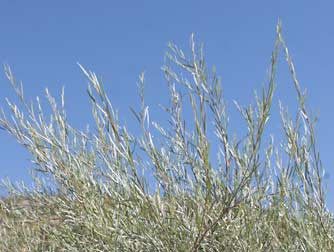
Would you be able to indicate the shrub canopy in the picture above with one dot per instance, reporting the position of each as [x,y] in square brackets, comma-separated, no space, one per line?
[245,197]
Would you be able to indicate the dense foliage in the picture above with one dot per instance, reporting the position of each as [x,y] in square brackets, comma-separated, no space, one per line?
[96,194]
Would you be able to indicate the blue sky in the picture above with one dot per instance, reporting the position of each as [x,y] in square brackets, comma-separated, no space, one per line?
[43,40]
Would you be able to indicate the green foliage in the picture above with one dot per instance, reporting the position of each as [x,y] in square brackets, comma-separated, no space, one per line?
[245,200]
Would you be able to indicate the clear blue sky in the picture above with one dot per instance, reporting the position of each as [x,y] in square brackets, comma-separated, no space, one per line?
[43,40]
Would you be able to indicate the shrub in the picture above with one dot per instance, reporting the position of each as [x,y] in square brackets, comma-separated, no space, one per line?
[98,198]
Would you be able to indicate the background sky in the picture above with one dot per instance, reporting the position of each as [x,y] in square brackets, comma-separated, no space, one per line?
[43,40]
